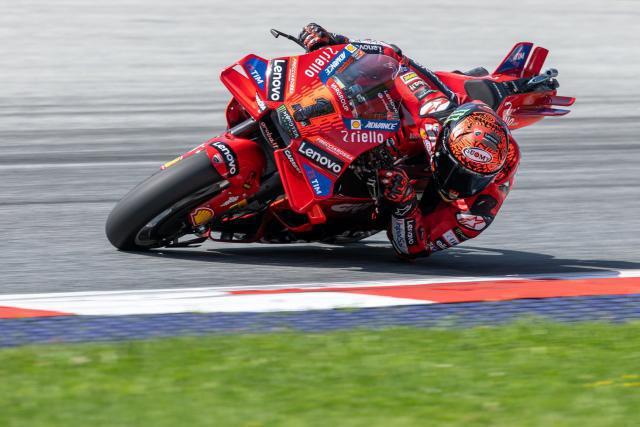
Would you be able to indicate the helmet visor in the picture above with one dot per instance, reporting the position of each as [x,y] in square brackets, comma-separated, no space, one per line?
[453,180]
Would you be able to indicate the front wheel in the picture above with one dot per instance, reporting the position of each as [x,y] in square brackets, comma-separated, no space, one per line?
[155,212]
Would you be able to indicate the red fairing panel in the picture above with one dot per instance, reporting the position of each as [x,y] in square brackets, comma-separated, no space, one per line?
[239,161]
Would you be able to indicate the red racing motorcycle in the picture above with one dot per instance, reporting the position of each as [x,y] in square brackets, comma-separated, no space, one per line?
[305,138]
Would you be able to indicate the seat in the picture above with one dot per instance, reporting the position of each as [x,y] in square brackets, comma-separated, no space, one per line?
[482,90]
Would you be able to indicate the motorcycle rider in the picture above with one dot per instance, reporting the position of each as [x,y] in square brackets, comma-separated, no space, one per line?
[472,155]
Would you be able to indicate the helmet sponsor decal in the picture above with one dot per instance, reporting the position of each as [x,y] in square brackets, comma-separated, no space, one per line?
[226,156]
[477,155]
[478,140]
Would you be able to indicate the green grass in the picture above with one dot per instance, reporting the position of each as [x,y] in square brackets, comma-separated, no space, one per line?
[524,374]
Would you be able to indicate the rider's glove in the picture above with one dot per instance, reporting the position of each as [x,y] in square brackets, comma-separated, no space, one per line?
[313,37]
[398,191]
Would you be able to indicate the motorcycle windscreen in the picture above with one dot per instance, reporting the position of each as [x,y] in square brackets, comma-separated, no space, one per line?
[364,81]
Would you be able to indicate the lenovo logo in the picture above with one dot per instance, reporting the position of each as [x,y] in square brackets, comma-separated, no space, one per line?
[278,75]
[321,157]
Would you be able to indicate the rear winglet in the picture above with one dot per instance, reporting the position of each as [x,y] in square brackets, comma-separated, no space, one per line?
[513,64]
[545,112]
[536,62]
[563,101]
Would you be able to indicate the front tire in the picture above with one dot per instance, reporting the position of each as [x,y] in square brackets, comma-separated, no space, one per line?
[155,211]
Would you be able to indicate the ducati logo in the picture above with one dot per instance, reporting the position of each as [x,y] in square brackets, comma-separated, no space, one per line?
[226,155]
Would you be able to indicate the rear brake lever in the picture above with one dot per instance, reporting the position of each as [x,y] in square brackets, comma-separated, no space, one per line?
[276,33]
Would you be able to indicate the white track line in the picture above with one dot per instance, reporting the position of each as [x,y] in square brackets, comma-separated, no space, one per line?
[212,290]
[77,165]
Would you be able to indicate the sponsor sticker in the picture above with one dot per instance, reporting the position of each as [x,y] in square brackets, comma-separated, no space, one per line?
[516,60]
[261,105]
[370,136]
[334,149]
[227,156]
[409,76]
[256,68]
[423,93]
[369,48]
[319,62]
[320,183]
[201,216]
[416,84]
[410,232]
[277,78]
[398,234]
[450,237]
[389,103]
[429,136]
[337,61]
[289,155]
[507,114]
[441,245]
[470,221]
[341,98]
[321,158]
[287,122]
[381,125]
[434,106]
[477,155]
[293,74]
[231,200]
[268,134]
[171,163]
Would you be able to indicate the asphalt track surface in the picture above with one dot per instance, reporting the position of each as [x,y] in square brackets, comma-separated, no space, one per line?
[94,97]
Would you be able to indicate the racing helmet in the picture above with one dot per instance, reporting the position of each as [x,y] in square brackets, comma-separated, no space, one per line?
[470,151]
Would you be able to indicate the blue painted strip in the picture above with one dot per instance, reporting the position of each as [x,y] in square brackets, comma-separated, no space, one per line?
[15,332]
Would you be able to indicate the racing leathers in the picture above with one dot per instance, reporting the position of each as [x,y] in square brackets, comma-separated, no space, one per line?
[419,227]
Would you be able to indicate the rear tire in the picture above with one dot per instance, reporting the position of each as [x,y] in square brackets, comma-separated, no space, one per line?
[165,197]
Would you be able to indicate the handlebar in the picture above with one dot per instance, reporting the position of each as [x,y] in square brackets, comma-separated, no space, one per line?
[277,33]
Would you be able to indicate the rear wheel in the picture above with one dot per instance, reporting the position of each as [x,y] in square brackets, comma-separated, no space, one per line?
[155,212]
